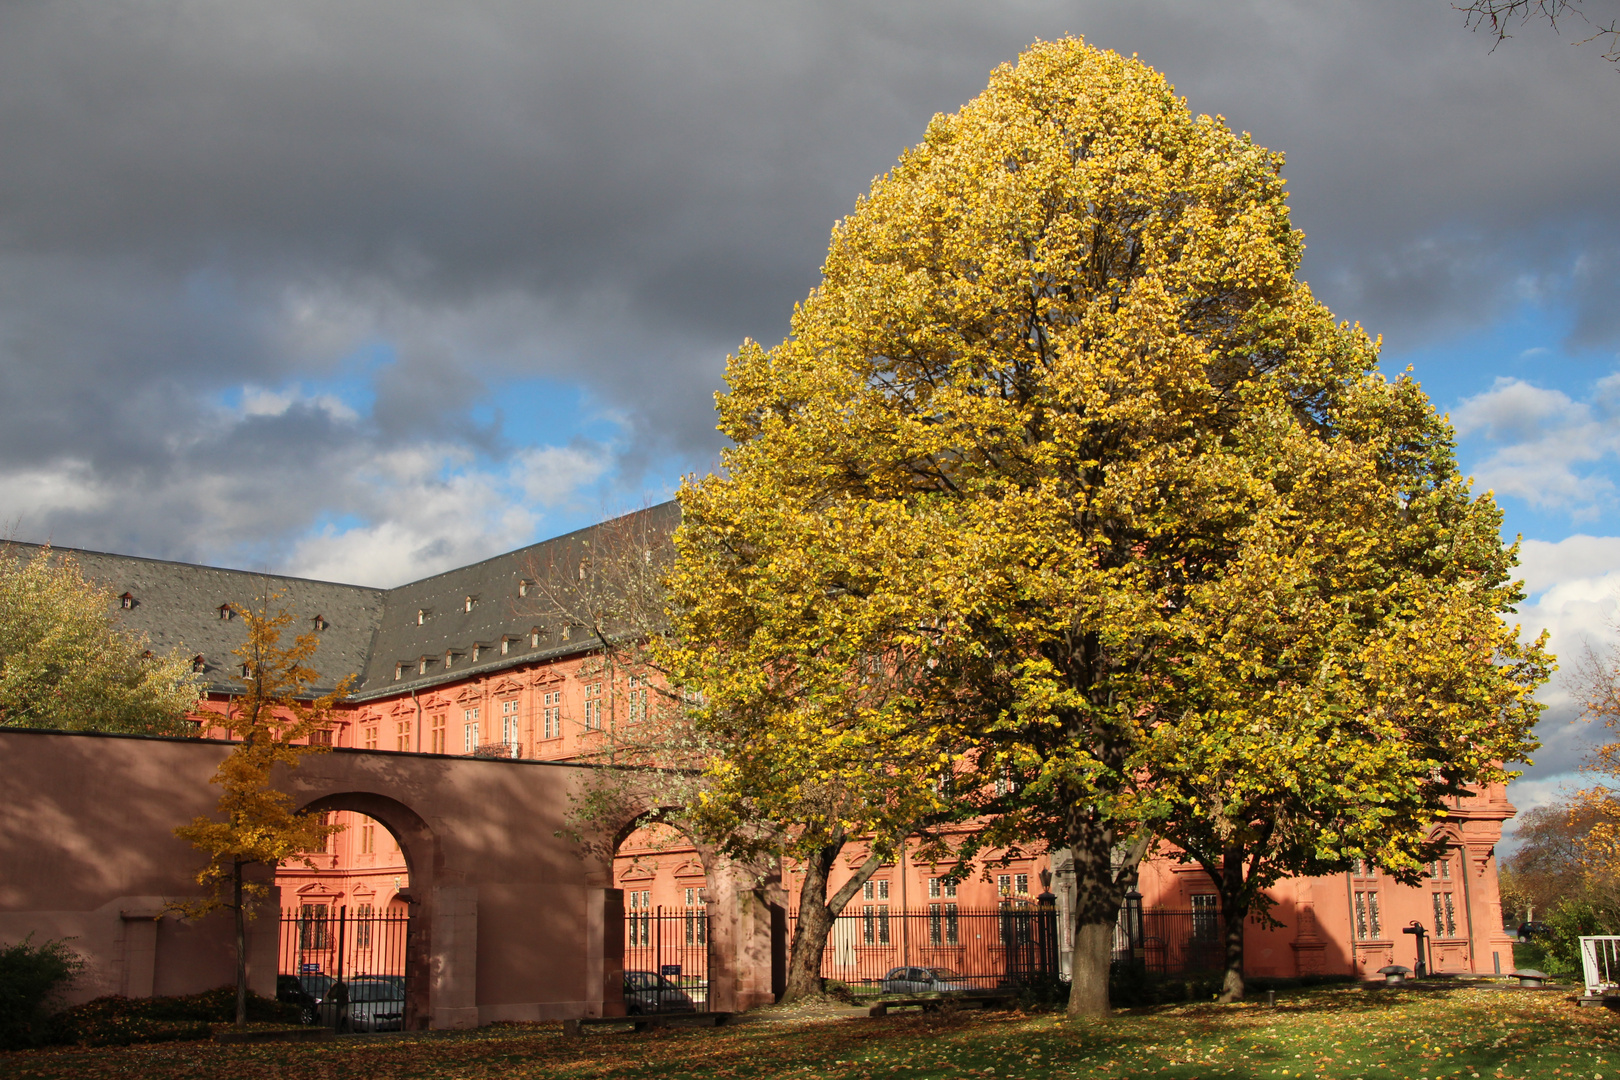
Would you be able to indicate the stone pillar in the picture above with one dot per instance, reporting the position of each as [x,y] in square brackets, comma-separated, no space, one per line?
[453,978]
[1309,948]
[604,952]
[747,936]
[264,945]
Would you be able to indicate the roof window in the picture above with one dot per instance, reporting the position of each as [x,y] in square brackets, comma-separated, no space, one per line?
[399,670]
[127,601]
[469,603]
[524,587]
[421,616]
[421,665]
[226,611]
[197,665]
[319,622]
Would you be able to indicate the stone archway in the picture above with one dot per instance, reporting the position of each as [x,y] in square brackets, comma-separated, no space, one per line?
[746,906]
[422,858]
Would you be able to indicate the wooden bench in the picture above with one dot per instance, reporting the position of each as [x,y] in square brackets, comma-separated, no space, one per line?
[984,1001]
[644,1023]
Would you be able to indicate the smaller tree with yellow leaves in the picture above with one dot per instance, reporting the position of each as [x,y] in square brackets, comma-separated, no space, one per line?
[275,720]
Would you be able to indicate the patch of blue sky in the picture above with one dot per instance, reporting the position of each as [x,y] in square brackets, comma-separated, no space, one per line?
[537,411]
[351,382]
[1525,345]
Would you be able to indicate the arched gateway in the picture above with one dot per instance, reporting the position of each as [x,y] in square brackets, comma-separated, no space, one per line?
[509,920]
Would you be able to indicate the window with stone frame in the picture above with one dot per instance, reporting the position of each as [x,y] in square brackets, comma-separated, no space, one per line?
[437,735]
[1367,901]
[551,713]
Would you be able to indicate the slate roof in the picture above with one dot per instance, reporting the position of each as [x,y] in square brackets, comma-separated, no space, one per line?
[366,631]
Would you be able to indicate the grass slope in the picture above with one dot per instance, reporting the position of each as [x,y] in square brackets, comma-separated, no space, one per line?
[1492,1034]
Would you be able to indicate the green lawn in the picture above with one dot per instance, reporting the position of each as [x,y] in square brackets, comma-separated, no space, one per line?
[1341,1032]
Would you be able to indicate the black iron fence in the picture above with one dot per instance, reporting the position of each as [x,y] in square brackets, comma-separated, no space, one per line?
[666,959]
[1169,942]
[361,948]
[1014,944]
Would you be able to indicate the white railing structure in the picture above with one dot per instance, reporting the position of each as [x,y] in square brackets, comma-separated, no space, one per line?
[1600,959]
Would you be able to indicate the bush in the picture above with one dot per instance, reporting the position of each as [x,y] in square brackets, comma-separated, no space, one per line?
[119,1021]
[1567,923]
[32,981]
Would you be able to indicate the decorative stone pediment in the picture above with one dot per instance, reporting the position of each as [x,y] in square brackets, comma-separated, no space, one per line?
[506,685]
[689,869]
[470,694]
[402,707]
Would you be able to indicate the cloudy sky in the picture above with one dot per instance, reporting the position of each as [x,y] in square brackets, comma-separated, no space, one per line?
[363,291]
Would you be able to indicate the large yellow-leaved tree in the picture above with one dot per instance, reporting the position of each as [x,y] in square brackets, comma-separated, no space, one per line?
[65,662]
[1057,410]
[275,721]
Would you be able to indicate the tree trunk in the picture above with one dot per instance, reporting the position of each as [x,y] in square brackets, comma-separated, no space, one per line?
[241,944]
[1236,900]
[1089,968]
[1099,890]
[1232,919]
[817,917]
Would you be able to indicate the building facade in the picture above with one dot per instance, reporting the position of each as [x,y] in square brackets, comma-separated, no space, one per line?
[480,660]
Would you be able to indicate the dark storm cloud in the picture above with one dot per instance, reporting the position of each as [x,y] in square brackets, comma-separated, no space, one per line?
[201,197]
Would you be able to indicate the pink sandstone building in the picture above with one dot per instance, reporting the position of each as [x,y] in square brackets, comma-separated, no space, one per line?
[472,662]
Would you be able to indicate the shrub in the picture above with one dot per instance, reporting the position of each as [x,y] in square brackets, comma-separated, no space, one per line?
[119,1021]
[32,981]
[1567,923]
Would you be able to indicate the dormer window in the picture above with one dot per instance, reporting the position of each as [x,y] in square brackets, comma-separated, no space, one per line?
[534,638]
[399,670]
[197,664]
[247,671]
[127,601]
[421,616]
[421,665]
[226,611]
[319,622]
[469,603]
[524,587]
[506,644]
[449,657]
[478,650]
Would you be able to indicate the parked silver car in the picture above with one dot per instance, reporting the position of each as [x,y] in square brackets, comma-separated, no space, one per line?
[649,992]
[365,1003]
[920,980]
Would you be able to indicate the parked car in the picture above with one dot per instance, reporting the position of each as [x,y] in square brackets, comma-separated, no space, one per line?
[304,991]
[365,1003]
[918,980]
[650,992]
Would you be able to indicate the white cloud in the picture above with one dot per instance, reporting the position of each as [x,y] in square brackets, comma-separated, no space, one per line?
[259,401]
[1543,438]
[1575,595]
[431,509]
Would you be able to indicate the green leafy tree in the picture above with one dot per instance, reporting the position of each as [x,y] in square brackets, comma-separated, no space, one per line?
[1348,675]
[1046,419]
[275,721]
[65,663]
[814,691]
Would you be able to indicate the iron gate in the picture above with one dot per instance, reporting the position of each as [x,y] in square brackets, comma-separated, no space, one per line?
[666,959]
[1013,944]
[349,965]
